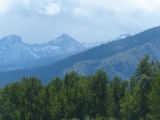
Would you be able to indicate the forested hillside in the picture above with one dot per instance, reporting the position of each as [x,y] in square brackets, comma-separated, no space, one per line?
[85,97]
[117,58]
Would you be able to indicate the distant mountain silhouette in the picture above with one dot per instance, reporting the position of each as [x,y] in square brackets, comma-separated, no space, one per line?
[118,57]
[15,54]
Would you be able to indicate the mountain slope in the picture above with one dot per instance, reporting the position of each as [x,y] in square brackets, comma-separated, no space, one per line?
[117,58]
[15,54]
[122,64]
[95,44]
[62,44]
[13,50]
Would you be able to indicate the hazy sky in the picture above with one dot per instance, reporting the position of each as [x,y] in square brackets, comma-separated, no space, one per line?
[85,20]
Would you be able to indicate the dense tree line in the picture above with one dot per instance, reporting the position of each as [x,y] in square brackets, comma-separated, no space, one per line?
[85,97]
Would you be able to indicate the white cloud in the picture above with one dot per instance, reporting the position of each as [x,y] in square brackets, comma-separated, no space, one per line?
[53,9]
[98,17]
[148,5]
[48,9]
[4,6]
[83,7]
[120,6]
[45,7]
[77,11]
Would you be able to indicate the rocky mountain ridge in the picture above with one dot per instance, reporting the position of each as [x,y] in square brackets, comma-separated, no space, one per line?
[14,51]
[117,58]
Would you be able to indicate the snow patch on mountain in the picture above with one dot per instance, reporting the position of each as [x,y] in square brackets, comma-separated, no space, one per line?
[14,50]
[60,45]
[94,44]
[122,36]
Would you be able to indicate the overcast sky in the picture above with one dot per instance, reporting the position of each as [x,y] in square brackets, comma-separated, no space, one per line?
[38,21]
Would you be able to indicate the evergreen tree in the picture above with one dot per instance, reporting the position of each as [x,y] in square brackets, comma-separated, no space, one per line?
[154,98]
[144,74]
[54,99]
[81,98]
[12,102]
[32,87]
[70,81]
[116,93]
[99,97]
[130,108]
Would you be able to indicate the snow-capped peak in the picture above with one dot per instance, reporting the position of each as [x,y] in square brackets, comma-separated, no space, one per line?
[13,50]
[60,45]
[64,38]
[64,35]
[94,44]
[12,39]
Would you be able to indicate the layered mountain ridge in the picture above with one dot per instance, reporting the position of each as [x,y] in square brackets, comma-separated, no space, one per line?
[117,58]
[14,51]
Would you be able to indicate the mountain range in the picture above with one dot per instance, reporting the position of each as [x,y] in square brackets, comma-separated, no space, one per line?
[94,44]
[117,58]
[15,54]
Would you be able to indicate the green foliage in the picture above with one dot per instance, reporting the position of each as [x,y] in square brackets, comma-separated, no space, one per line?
[85,97]
[98,94]
[116,93]
[21,100]
[144,74]
[154,98]
[130,106]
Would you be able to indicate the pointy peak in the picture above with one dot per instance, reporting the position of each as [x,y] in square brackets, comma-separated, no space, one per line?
[64,35]
[64,38]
